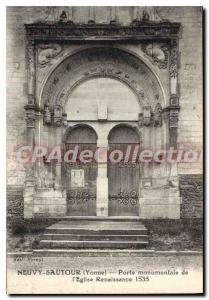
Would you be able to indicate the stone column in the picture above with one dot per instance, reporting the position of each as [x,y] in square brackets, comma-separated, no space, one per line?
[102,180]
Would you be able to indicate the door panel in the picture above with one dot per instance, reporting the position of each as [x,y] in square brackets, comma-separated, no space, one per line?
[123,177]
[80,177]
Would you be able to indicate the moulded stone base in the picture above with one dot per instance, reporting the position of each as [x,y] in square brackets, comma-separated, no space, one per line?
[102,196]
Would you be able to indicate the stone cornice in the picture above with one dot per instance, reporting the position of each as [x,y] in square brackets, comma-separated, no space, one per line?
[67,31]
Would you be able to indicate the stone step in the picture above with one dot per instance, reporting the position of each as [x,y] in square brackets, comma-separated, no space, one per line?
[56,244]
[97,218]
[92,223]
[83,224]
[96,231]
[92,237]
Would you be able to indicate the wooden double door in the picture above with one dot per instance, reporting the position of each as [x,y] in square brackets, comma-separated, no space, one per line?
[123,175]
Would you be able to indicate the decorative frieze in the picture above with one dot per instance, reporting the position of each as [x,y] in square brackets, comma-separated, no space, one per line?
[143,30]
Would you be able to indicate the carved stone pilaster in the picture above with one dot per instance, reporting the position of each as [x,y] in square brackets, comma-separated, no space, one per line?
[91,15]
[173,125]
[173,62]
[135,15]
[173,117]
[113,15]
[30,115]
[31,72]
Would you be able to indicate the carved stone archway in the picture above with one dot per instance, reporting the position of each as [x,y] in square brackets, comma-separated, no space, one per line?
[106,61]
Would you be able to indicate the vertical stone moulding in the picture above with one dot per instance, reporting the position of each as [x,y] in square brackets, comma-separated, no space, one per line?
[174,98]
[30,108]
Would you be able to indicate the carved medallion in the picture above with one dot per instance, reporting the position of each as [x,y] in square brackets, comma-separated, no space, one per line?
[47,52]
[157,53]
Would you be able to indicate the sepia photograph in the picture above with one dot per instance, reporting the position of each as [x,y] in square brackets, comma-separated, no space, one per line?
[104,150]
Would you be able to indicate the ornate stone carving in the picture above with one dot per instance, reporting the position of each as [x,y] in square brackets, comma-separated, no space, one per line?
[152,13]
[55,14]
[101,62]
[140,121]
[173,118]
[147,115]
[47,115]
[115,72]
[64,117]
[157,53]
[67,31]
[135,15]
[63,16]
[173,64]
[30,116]
[46,52]
[157,115]
[58,115]
[31,71]
[145,16]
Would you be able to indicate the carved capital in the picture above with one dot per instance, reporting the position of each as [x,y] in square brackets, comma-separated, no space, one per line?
[47,115]
[30,115]
[174,100]
[157,115]
[58,115]
[147,115]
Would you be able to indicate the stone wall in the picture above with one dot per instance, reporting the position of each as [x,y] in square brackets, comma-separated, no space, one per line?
[191,191]
[14,203]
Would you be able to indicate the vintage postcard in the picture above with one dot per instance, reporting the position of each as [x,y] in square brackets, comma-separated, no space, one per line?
[104,150]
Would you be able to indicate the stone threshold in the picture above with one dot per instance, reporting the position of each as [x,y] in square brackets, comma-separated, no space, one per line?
[106,252]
